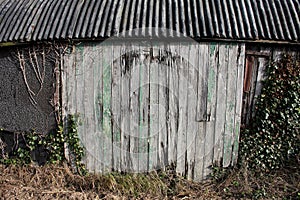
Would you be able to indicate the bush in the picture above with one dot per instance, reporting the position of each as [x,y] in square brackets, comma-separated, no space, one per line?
[272,139]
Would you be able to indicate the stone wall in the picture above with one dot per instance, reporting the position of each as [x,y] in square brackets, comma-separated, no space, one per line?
[27,88]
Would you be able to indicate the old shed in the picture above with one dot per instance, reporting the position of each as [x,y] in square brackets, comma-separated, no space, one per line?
[155,83]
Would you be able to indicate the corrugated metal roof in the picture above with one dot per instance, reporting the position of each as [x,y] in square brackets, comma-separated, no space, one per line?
[35,20]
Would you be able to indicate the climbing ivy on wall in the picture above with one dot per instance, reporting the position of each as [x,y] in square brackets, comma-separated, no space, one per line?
[76,151]
[55,144]
[273,137]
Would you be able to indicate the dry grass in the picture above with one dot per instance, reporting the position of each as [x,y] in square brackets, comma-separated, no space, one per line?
[58,182]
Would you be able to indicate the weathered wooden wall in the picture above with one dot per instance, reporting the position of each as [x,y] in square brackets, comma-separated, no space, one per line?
[144,107]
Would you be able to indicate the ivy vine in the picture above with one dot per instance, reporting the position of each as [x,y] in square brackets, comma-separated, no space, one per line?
[76,151]
[56,144]
[272,139]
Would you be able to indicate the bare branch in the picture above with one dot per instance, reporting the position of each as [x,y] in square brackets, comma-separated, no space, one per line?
[23,69]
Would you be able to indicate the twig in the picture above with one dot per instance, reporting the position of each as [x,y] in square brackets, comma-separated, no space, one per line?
[2,147]
[33,66]
[16,141]
[30,92]
[43,63]
[38,67]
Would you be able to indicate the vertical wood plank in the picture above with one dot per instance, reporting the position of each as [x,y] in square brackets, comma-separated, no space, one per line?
[80,95]
[200,137]
[239,97]
[125,105]
[249,86]
[95,134]
[98,109]
[212,100]
[134,107]
[89,119]
[252,89]
[116,107]
[174,61]
[208,129]
[221,102]
[69,88]
[107,126]
[202,84]
[162,109]
[154,110]
[182,126]
[230,104]
[65,67]
[69,82]
[212,81]
[144,108]
[192,124]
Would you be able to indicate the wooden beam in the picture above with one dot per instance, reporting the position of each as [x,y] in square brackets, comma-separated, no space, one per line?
[258,53]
